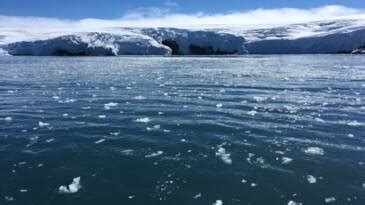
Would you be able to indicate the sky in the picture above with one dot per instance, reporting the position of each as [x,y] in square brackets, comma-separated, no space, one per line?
[170,13]
[111,9]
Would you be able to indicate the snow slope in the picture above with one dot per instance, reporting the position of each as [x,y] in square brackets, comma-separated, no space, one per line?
[321,37]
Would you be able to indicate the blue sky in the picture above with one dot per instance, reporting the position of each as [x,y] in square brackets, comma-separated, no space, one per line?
[111,9]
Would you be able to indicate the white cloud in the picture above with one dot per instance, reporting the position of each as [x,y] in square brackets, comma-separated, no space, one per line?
[157,17]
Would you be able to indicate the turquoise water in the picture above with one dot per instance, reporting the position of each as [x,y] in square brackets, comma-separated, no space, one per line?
[162,130]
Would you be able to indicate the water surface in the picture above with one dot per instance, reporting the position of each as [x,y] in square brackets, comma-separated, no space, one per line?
[158,130]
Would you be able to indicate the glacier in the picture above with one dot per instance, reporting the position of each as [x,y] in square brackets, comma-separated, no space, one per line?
[321,37]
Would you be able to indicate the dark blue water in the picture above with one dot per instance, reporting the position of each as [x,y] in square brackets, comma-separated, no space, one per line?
[136,130]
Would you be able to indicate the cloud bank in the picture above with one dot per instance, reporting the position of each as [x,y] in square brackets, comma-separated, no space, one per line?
[155,17]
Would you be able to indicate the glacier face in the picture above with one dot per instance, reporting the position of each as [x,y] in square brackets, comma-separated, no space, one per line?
[90,44]
[322,37]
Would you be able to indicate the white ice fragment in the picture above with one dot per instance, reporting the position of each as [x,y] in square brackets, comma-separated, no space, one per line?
[156,127]
[197,196]
[23,190]
[139,97]
[218,202]
[102,116]
[99,141]
[286,160]
[259,99]
[243,181]
[252,113]
[109,106]
[50,140]
[314,151]
[311,179]
[319,120]
[143,120]
[330,199]
[294,203]
[350,135]
[354,123]
[131,197]
[74,187]
[43,124]
[154,154]
[8,119]
[9,198]
[253,185]
[64,115]
[225,157]
[219,105]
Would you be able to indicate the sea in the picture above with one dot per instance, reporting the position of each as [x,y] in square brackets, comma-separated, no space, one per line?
[137,130]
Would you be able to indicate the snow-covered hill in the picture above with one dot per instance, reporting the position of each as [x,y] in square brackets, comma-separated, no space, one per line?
[327,37]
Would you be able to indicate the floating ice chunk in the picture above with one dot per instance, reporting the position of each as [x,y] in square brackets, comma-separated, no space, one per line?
[9,198]
[50,140]
[253,185]
[99,141]
[8,119]
[102,116]
[225,157]
[156,127]
[354,123]
[319,120]
[294,203]
[218,202]
[314,151]
[252,113]
[311,179]
[131,197]
[243,181]
[23,190]
[143,120]
[43,124]
[219,105]
[259,99]
[109,106]
[330,199]
[74,187]
[139,97]
[112,88]
[154,154]
[197,196]
[286,160]
[64,115]
[350,135]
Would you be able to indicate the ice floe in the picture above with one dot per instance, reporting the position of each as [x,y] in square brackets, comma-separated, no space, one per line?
[154,154]
[143,120]
[314,151]
[197,196]
[43,124]
[286,160]
[311,179]
[9,198]
[294,203]
[219,105]
[8,119]
[155,127]
[109,106]
[74,187]
[222,153]
[330,199]
[218,202]
[99,141]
